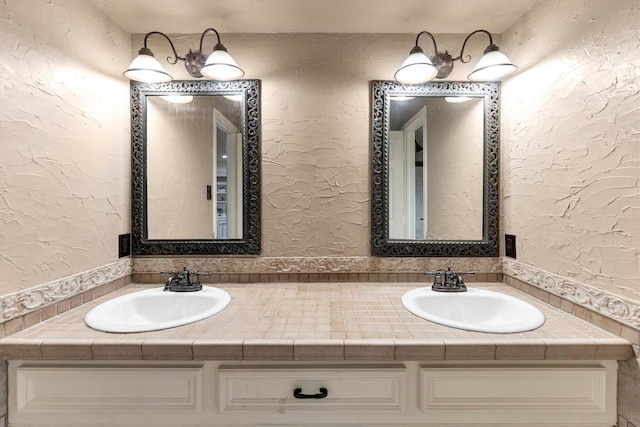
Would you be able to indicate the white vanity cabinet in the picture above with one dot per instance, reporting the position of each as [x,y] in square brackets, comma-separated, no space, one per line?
[372,394]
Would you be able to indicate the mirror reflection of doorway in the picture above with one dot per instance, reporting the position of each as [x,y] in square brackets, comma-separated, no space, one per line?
[408,179]
[419,139]
[227,176]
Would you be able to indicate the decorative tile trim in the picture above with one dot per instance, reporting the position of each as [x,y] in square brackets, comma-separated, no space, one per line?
[263,265]
[279,278]
[610,305]
[22,302]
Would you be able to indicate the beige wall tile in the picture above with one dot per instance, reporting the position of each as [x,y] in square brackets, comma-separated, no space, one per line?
[617,349]
[318,349]
[116,349]
[71,349]
[19,349]
[167,349]
[514,350]
[204,349]
[571,349]
[457,349]
[419,350]
[369,349]
[276,349]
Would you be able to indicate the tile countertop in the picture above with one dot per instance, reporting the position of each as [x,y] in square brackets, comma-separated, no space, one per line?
[316,322]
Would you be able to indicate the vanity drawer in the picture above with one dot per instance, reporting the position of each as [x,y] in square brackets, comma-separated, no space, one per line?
[340,388]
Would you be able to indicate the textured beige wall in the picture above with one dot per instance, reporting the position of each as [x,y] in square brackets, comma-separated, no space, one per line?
[315,129]
[570,138]
[571,141]
[65,176]
[64,131]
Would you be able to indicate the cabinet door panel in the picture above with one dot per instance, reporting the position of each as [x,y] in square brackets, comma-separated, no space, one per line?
[96,389]
[508,393]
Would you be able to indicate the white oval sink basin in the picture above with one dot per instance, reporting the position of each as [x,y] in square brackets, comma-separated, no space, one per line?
[155,309]
[475,310]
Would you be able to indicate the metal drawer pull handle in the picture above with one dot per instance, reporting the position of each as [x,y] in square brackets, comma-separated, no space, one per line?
[297,393]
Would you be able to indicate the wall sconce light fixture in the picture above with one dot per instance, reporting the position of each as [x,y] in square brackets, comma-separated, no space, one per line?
[219,65]
[418,68]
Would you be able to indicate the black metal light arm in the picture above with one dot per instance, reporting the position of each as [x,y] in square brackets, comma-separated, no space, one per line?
[435,47]
[488,49]
[169,59]
[218,45]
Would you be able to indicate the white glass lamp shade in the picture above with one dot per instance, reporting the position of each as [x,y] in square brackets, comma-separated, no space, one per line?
[417,68]
[145,68]
[492,66]
[221,66]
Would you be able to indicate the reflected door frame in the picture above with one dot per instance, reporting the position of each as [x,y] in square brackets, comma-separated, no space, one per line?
[234,178]
[419,120]
[402,209]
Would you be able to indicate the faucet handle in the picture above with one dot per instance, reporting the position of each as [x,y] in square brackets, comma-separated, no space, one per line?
[195,278]
[169,272]
[198,273]
[437,279]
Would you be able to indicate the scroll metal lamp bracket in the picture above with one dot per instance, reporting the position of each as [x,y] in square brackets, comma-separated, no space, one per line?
[219,65]
[418,68]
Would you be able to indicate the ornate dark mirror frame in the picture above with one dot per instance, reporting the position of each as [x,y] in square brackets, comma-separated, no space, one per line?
[381,245]
[250,242]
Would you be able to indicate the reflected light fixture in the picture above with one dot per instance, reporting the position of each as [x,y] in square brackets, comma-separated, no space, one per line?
[177,99]
[418,68]
[401,98]
[219,65]
[233,98]
[458,99]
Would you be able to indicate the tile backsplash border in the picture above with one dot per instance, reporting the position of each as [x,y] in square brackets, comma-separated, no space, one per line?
[19,305]
[602,302]
[289,265]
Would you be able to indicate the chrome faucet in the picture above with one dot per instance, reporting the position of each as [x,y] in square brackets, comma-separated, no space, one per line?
[447,280]
[183,281]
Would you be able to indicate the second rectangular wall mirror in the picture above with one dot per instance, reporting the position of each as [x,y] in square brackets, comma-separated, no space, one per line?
[434,169]
[196,167]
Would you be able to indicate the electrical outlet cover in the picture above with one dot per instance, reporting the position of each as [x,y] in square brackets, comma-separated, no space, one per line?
[510,245]
[124,245]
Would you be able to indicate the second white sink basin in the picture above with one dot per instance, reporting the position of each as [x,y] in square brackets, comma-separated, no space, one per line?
[475,310]
[155,309]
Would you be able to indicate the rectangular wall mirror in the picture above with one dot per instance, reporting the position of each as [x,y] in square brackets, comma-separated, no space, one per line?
[434,169]
[196,168]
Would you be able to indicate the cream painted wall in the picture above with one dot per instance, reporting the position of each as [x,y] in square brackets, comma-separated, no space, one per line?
[64,132]
[570,158]
[571,142]
[315,129]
